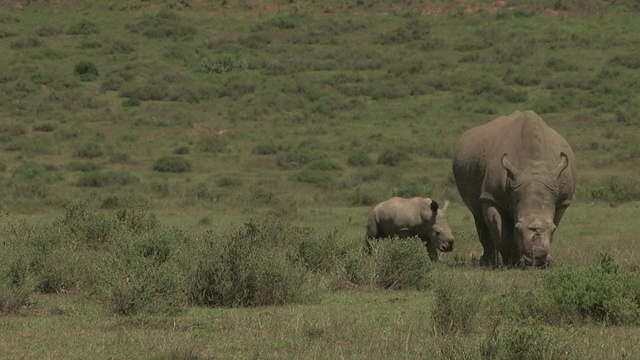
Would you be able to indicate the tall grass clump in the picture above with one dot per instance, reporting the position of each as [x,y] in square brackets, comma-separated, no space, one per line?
[457,304]
[141,273]
[392,264]
[605,294]
[15,281]
[172,163]
[256,266]
[526,343]
[616,189]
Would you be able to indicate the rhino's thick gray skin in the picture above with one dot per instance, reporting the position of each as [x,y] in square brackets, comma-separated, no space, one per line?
[416,216]
[517,176]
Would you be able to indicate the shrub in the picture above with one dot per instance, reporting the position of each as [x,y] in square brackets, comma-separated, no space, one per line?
[15,286]
[33,172]
[250,268]
[605,294]
[181,150]
[152,90]
[264,149]
[365,195]
[84,27]
[25,43]
[324,165]
[392,157]
[212,144]
[140,276]
[321,252]
[631,60]
[228,181]
[87,71]
[172,163]
[524,344]
[616,189]
[89,150]
[316,177]
[457,304]
[359,159]
[202,191]
[421,186]
[107,178]
[83,166]
[392,264]
[45,127]
[402,265]
[222,64]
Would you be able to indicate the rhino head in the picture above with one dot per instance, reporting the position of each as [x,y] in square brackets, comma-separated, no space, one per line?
[440,232]
[534,194]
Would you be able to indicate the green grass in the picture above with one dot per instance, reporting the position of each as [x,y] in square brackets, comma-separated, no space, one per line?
[141,137]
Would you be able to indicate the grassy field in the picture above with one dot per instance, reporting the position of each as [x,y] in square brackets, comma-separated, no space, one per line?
[191,179]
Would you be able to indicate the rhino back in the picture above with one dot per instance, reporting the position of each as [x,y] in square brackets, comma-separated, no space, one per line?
[397,214]
[525,138]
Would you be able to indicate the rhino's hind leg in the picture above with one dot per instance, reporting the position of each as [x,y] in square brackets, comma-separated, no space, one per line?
[488,248]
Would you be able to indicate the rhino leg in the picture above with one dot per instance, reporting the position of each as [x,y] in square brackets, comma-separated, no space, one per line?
[496,240]
[432,250]
[488,257]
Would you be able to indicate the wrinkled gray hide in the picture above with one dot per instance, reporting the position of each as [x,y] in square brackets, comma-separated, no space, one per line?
[517,176]
[416,216]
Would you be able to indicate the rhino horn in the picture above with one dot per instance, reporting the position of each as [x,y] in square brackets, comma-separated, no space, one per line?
[564,162]
[446,205]
[512,172]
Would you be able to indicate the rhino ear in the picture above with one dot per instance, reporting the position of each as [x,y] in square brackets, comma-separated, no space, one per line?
[434,207]
[512,172]
[564,162]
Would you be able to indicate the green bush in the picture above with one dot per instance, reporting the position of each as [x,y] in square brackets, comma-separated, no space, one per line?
[212,144]
[89,150]
[524,344]
[264,149]
[316,177]
[359,159]
[324,165]
[87,71]
[141,275]
[394,264]
[84,27]
[252,267]
[402,265]
[457,304]
[607,294]
[321,252]
[392,157]
[172,163]
[15,283]
[33,172]
[83,166]
[421,186]
[106,178]
[616,189]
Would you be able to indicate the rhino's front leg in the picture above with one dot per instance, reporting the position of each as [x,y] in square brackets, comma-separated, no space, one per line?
[432,250]
[493,221]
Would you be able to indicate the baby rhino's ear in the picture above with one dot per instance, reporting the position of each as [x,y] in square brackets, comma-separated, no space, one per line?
[434,207]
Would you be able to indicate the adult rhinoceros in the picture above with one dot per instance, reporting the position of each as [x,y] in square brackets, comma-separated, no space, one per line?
[517,176]
[416,216]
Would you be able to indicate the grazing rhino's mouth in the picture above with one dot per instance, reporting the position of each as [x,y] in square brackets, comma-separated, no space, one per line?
[544,262]
[445,247]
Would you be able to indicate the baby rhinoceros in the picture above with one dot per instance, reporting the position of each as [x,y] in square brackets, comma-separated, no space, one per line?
[416,216]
